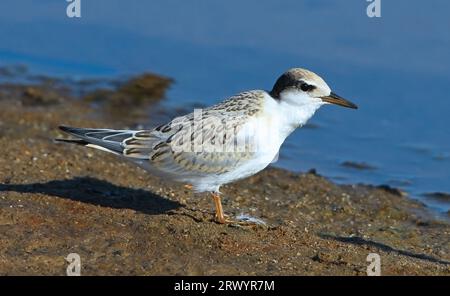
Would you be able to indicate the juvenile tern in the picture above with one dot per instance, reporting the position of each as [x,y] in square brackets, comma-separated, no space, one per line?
[223,143]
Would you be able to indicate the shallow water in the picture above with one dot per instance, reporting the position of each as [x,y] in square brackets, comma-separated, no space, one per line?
[395,68]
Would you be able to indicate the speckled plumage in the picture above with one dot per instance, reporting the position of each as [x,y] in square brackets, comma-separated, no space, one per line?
[222,143]
[156,146]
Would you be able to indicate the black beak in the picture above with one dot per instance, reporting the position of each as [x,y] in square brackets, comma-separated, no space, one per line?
[337,100]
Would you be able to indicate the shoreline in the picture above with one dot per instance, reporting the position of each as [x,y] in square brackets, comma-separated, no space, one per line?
[130,101]
[58,199]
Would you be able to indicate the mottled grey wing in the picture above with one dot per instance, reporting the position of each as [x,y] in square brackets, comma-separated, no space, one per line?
[172,148]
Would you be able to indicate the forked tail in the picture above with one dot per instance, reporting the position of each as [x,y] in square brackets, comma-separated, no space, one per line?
[104,139]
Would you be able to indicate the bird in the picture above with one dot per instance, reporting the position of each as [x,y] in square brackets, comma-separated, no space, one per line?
[220,144]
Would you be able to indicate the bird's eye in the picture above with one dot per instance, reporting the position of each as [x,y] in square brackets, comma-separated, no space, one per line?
[306,87]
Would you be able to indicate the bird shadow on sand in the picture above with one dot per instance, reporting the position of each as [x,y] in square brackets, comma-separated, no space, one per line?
[363,242]
[101,193]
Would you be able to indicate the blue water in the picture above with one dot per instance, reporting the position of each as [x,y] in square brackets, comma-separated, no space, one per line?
[396,68]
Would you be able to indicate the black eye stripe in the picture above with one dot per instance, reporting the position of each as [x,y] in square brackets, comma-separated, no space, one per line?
[305,86]
[289,80]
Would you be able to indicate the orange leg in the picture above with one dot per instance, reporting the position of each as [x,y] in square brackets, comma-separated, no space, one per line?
[220,217]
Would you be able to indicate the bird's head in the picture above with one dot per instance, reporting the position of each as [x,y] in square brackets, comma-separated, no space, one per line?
[301,87]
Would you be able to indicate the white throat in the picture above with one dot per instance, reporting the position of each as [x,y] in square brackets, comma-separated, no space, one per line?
[295,109]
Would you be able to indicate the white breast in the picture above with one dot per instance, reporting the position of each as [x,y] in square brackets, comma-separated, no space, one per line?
[267,131]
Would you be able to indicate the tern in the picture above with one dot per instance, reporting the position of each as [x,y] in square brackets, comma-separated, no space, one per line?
[223,143]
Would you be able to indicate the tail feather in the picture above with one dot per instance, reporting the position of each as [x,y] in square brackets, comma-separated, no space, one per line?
[73,141]
[104,139]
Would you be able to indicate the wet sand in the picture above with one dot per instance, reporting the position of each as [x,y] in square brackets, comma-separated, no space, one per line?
[57,199]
